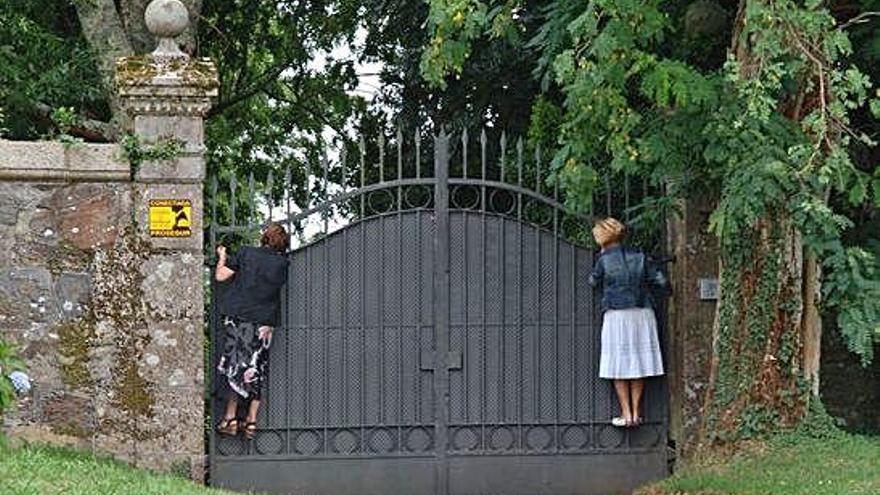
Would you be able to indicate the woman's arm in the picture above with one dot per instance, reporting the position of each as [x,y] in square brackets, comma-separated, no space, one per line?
[222,273]
[598,273]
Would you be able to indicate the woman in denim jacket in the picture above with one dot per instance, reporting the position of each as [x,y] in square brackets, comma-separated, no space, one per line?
[630,346]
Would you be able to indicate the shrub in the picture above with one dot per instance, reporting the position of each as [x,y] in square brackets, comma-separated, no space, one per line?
[9,362]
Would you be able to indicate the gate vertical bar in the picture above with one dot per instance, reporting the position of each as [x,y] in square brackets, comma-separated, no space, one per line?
[441,306]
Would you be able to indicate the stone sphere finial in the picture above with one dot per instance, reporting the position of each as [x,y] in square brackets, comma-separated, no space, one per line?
[166,20]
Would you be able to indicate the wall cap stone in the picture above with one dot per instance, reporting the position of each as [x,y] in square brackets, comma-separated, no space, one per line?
[55,161]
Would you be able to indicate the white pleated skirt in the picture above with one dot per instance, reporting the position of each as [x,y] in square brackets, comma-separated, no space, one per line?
[630,346]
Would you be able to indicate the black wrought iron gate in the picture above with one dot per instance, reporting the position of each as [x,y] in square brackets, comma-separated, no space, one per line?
[443,341]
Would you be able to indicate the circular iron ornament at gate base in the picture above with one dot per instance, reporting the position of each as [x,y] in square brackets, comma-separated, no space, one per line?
[345,442]
[539,438]
[229,446]
[644,436]
[575,437]
[538,213]
[502,438]
[384,204]
[610,436]
[465,439]
[465,197]
[418,440]
[381,440]
[415,197]
[502,201]
[269,443]
[307,443]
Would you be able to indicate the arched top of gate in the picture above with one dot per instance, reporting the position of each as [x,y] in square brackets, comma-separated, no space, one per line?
[488,175]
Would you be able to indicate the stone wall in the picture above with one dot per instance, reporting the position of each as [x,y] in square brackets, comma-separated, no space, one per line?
[110,325]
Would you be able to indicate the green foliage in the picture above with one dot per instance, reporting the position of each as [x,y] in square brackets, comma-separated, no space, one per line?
[65,118]
[9,362]
[769,125]
[44,62]
[853,285]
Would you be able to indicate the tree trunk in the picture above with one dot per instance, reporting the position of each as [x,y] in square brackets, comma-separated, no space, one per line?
[767,328]
[104,31]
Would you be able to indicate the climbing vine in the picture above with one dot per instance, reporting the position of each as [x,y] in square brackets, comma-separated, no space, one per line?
[138,152]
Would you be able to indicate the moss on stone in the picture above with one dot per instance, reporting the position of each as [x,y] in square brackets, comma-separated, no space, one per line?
[65,257]
[141,70]
[71,430]
[75,339]
[133,393]
[118,298]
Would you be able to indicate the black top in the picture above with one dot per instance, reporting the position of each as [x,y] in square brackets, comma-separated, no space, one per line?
[254,295]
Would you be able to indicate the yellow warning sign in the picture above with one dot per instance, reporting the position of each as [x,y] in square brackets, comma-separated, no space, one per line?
[170,218]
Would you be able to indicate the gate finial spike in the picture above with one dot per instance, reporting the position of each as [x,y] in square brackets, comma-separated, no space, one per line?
[252,193]
[270,187]
[483,160]
[399,153]
[538,168]
[381,156]
[503,152]
[233,198]
[343,161]
[464,152]
[417,138]
[519,160]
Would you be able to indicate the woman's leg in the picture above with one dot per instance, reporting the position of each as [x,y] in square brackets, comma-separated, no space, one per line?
[252,411]
[637,388]
[231,406]
[229,424]
[623,395]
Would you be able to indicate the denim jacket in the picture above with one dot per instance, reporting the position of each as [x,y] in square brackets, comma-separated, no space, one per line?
[627,277]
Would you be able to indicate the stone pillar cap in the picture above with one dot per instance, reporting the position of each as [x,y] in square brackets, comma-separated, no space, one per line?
[166,20]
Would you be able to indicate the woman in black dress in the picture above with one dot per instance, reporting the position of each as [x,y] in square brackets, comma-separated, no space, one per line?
[250,313]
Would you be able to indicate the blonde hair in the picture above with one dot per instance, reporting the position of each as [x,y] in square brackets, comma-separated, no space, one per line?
[608,231]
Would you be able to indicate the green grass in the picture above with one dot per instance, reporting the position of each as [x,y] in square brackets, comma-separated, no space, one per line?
[44,470]
[788,465]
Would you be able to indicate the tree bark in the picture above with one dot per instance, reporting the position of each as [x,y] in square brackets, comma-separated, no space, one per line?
[103,29]
[105,33]
[767,329]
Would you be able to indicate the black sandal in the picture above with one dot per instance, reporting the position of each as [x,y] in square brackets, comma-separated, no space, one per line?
[228,427]
[250,430]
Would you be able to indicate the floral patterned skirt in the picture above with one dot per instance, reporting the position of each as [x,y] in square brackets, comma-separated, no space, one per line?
[245,356]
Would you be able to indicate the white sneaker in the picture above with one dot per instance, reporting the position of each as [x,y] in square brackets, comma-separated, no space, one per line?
[618,421]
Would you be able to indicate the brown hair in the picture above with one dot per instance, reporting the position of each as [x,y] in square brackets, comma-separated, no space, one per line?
[275,236]
[608,231]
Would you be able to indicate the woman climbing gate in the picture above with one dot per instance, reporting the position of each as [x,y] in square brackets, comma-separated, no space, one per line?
[630,345]
[250,313]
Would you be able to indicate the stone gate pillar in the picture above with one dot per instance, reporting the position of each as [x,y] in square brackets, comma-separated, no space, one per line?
[166,96]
